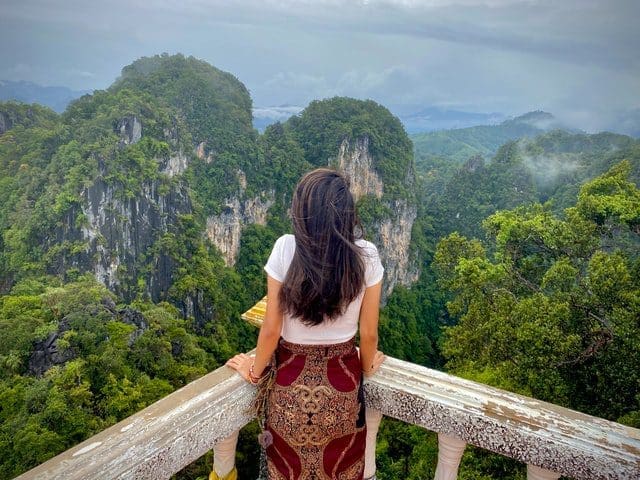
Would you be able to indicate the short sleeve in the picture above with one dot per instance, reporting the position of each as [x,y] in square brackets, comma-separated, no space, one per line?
[275,266]
[374,270]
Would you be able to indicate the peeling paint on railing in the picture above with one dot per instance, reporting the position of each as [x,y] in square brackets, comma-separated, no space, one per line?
[535,432]
[165,437]
[168,435]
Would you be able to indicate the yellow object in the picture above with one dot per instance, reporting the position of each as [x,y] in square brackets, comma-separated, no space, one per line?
[255,315]
[232,475]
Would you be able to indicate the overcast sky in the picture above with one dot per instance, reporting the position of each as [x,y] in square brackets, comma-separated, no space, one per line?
[578,59]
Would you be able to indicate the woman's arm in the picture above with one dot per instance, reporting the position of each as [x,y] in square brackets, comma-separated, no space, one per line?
[370,357]
[267,339]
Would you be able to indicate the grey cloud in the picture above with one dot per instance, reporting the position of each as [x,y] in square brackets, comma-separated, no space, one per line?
[571,31]
[577,58]
[277,113]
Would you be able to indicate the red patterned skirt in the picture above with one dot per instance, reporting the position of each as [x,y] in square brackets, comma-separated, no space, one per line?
[316,413]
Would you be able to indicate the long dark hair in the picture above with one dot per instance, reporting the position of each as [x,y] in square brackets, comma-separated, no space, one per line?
[327,271]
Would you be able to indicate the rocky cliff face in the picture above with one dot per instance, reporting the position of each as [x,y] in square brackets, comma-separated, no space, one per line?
[392,234]
[225,230]
[356,162]
[119,231]
[47,353]
[393,237]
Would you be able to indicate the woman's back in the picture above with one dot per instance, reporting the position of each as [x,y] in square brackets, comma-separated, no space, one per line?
[337,330]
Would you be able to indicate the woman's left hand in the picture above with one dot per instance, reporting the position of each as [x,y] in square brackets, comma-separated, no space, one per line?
[378,359]
[242,364]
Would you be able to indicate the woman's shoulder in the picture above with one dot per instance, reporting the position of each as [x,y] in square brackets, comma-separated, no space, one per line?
[367,247]
[280,258]
[285,242]
[373,266]
[286,239]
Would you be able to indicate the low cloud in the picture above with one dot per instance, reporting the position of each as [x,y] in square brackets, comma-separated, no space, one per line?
[363,83]
[548,170]
[276,113]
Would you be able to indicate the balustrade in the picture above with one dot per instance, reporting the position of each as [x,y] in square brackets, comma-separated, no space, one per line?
[160,440]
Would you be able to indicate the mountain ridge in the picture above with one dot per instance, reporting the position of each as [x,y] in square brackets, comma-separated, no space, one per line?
[55,97]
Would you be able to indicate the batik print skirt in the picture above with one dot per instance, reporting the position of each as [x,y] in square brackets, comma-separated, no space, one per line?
[315,413]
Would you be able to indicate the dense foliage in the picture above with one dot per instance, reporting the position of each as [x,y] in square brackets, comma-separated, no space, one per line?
[116,360]
[324,125]
[544,302]
[553,313]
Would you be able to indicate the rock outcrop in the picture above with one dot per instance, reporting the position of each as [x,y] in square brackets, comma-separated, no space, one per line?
[176,164]
[130,130]
[392,234]
[225,230]
[357,164]
[48,353]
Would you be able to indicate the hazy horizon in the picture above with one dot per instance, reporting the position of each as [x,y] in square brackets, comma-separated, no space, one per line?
[576,59]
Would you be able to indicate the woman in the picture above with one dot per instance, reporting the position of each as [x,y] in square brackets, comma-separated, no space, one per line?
[323,285]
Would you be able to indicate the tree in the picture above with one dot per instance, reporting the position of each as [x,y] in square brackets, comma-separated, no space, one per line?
[554,311]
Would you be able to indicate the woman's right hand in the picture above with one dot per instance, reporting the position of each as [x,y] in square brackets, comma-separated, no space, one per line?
[378,359]
[242,364]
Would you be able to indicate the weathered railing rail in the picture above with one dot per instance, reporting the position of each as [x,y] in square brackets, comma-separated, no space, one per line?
[168,435]
[165,437]
[537,433]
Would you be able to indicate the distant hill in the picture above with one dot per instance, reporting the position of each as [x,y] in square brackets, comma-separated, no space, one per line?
[265,116]
[426,120]
[56,98]
[460,144]
[434,118]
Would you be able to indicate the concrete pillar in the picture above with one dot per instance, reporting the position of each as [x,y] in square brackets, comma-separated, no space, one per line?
[373,418]
[224,454]
[450,450]
[537,473]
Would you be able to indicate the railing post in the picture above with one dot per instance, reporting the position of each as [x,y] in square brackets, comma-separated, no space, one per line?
[373,418]
[224,454]
[450,450]
[537,473]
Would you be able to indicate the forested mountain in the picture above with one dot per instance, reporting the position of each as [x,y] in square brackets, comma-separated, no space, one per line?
[439,153]
[550,167]
[134,227]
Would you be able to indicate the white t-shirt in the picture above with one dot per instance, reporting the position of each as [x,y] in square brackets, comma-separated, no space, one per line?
[342,328]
